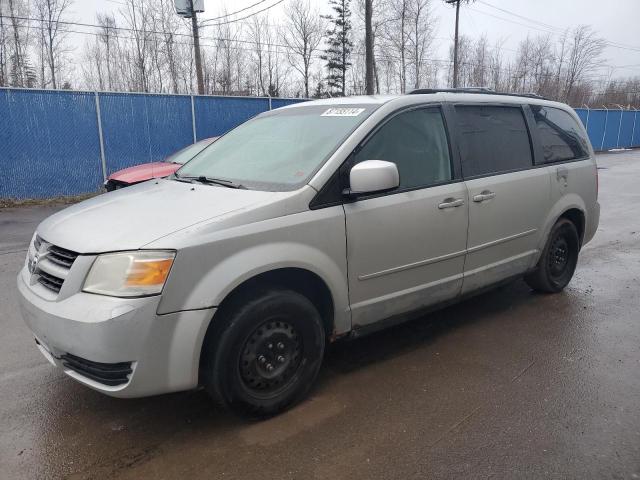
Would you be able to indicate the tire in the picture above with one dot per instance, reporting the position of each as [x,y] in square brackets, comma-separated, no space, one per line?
[558,260]
[264,354]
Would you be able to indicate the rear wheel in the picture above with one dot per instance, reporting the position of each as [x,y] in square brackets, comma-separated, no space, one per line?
[558,260]
[265,353]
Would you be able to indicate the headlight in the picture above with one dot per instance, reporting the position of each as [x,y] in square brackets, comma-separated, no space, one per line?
[129,274]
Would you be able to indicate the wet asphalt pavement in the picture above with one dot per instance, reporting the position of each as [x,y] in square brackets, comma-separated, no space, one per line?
[509,384]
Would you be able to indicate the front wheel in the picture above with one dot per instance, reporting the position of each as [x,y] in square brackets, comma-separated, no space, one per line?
[558,260]
[265,353]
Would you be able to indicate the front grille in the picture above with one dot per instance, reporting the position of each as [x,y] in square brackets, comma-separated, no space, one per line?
[111,374]
[50,281]
[61,256]
[54,263]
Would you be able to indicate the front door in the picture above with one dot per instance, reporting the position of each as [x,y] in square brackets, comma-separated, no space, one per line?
[406,248]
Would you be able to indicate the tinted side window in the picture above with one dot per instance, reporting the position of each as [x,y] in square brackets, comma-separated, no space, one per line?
[560,135]
[493,139]
[416,142]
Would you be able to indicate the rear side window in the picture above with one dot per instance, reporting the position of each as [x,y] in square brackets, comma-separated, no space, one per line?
[416,142]
[493,139]
[560,135]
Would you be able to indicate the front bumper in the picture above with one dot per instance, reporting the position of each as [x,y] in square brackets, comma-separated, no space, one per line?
[164,350]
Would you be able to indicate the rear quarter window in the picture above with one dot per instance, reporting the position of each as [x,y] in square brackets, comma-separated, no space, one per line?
[560,135]
[493,139]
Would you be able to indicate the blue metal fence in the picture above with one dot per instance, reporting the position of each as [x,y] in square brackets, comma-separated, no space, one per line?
[57,143]
[609,129]
[143,128]
[51,144]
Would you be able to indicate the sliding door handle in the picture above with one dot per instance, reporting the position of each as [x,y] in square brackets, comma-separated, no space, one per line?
[562,172]
[451,203]
[484,195]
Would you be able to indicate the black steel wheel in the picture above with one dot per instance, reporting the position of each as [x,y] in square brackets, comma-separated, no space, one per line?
[270,357]
[263,354]
[558,260]
[558,257]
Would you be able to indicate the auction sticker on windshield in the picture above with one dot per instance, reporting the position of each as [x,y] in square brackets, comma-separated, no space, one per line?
[343,112]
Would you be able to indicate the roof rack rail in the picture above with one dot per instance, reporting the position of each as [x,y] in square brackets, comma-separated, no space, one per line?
[483,90]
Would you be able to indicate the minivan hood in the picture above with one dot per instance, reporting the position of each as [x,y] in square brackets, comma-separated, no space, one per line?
[134,216]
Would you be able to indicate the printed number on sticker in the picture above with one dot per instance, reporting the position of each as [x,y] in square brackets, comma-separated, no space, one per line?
[343,112]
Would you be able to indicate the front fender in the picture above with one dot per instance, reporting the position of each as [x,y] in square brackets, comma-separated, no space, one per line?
[249,263]
[205,273]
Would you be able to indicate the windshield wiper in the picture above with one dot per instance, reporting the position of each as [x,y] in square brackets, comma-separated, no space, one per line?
[211,181]
[178,178]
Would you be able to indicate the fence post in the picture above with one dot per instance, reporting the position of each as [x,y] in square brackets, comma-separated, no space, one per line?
[619,127]
[604,130]
[586,126]
[633,130]
[193,120]
[100,137]
[269,102]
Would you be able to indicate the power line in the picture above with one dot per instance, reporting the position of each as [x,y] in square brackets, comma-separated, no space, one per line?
[244,18]
[221,16]
[545,26]
[234,13]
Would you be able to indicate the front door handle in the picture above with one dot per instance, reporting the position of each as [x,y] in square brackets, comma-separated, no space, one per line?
[451,203]
[484,195]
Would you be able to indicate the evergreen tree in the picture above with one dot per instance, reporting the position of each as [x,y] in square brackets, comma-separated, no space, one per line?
[339,43]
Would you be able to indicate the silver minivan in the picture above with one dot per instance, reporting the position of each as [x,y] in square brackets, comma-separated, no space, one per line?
[305,224]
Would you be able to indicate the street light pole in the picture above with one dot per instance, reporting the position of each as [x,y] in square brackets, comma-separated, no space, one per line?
[196,48]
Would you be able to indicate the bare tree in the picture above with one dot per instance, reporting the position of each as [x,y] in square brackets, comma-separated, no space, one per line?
[92,64]
[379,18]
[4,46]
[108,40]
[302,36]
[136,18]
[20,72]
[584,56]
[561,54]
[420,35]
[228,57]
[165,21]
[397,36]
[51,13]
[257,30]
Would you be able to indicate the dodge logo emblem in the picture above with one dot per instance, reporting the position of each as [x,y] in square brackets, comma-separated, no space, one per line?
[33,263]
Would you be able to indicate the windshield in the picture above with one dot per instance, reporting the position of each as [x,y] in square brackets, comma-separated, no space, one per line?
[187,153]
[278,150]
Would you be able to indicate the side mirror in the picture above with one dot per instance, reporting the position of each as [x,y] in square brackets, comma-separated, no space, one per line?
[373,176]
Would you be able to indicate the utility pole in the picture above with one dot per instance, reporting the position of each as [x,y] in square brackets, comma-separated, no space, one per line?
[368,42]
[190,9]
[455,42]
[196,48]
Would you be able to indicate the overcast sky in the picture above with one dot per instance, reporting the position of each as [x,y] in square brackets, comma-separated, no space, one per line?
[617,21]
